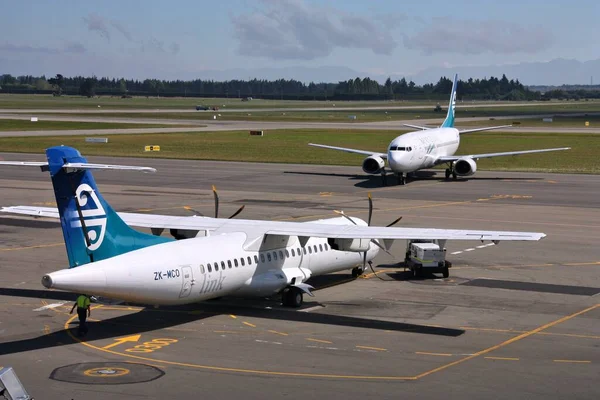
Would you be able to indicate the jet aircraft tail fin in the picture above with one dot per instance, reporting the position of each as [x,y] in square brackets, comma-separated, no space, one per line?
[92,230]
[449,121]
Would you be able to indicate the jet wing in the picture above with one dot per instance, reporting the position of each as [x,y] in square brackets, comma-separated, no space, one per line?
[445,159]
[488,128]
[304,229]
[347,150]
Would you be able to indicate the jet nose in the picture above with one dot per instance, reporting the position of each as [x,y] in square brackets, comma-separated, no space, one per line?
[82,279]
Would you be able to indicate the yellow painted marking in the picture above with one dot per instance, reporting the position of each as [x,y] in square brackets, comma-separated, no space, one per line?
[424,353]
[573,361]
[483,199]
[249,324]
[133,338]
[38,246]
[232,316]
[588,263]
[507,342]
[47,329]
[239,370]
[279,333]
[371,348]
[372,274]
[318,340]
[502,358]
[97,372]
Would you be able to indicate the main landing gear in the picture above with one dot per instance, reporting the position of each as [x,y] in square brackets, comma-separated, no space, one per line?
[357,271]
[450,171]
[401,179]
[292,297]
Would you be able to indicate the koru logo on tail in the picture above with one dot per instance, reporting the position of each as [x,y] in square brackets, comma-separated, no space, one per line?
[94,216]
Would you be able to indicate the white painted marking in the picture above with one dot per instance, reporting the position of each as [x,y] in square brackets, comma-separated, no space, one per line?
[309,309]
[48,306]
[266,341]
[471,249]
[456,252]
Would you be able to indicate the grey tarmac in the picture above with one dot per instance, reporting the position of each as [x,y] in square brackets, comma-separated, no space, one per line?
[515,320]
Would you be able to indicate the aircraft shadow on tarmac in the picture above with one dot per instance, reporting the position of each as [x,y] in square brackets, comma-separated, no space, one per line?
[153,319]
[375,181]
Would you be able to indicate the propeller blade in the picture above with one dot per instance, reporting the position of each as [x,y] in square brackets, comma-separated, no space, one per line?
[196,212]
[376,243]
[344,215]
[214,189]
[237,212]
[394,222]
[370,210]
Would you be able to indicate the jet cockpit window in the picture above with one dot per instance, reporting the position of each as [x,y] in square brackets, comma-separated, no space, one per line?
[399,148]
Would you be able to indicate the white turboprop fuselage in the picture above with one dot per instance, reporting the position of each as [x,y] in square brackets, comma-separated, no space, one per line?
[192,270]
[420,149]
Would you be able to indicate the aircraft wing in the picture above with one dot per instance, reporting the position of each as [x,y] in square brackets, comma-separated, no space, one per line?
[347,150]
[489,128]
[283,228]
[423,128]
[444,159]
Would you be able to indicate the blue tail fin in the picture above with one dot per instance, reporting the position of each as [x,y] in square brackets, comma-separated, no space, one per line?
[92,230]
[449,121]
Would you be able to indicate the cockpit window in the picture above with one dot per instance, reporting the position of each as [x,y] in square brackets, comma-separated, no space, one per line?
[399,148]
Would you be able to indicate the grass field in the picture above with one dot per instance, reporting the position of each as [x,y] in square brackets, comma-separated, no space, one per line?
[290,146]
[24,125]
[48,101]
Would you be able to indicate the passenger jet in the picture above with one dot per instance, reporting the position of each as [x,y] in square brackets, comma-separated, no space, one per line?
[427,148]
[214,257]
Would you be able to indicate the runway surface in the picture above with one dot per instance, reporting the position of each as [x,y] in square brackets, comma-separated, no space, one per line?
[196,125]
[516,320]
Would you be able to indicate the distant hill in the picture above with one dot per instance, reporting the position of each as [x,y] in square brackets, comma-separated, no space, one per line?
[556,72]
[552,73]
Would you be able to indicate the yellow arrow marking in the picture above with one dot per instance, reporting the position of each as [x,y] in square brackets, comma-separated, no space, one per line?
[133,338]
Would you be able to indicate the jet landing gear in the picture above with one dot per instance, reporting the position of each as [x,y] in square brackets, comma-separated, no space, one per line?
[401,179]
[450,171]
[292,297]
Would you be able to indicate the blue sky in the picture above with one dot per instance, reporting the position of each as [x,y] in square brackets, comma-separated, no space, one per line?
[181,39]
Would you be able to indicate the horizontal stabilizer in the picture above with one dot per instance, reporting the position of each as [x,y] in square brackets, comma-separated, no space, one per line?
[77,166]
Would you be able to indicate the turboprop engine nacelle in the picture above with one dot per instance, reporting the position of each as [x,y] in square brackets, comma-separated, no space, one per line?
[373,164]
[356,245]
[465,167]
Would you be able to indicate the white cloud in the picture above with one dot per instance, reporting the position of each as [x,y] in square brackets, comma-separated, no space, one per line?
[292,29]
[450,35]
[72,47]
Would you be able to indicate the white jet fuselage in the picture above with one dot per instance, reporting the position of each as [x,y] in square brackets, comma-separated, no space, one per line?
[202,268]
[420,149]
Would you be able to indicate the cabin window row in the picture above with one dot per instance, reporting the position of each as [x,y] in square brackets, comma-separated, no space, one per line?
[271,255]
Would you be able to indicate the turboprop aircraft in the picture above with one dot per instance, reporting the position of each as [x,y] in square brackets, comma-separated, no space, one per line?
[220,256]
[427,148]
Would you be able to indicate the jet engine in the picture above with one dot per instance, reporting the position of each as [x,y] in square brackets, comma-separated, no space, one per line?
[465,167]
[373,165]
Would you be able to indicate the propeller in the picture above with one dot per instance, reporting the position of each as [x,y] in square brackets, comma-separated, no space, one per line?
[375,242]
[216,197]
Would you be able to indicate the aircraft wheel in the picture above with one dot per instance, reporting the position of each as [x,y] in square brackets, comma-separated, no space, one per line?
[416,272]
[356,272]
[292,297]
[448,173]
[454,176]
[445,272]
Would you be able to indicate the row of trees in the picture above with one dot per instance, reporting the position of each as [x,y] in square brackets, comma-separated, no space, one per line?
[366,88]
